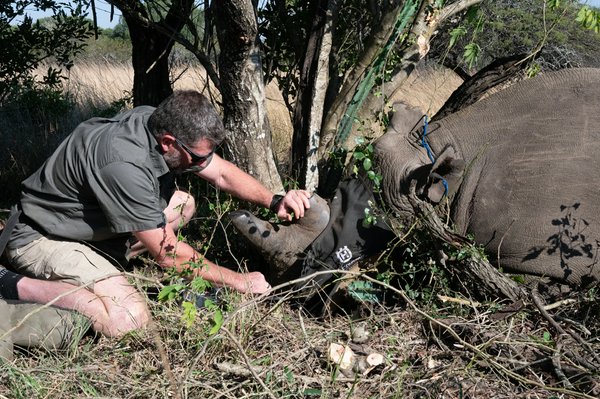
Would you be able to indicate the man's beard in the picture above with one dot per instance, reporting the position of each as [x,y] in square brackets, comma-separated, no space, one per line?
[174,161]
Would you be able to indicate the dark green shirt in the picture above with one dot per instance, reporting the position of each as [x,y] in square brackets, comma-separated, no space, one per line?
[102,183]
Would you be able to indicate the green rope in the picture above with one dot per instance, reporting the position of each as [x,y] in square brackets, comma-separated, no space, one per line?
[365,86]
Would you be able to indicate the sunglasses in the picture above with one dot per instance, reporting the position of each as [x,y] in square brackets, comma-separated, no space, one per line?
[196,159]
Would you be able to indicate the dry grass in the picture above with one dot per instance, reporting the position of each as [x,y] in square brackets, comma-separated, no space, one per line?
[269,347]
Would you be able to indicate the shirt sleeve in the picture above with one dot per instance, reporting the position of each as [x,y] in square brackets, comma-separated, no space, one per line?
[129,197]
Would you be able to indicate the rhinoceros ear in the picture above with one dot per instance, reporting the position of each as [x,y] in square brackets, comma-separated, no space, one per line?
[445,174]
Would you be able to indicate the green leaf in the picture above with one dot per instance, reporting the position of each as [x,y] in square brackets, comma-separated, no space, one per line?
[367,164]
[170,292]
[547,336]
[359,140]
[288,375]
[553,4]
[200,285]
[189,313]
[582,14]
[364,291]
[358,156]
[217,322]
[471,54]
[456,34]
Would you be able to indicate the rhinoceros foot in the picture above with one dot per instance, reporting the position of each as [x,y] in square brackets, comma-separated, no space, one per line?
[283,244]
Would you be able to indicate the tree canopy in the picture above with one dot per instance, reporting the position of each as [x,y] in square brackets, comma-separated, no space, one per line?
[26,44]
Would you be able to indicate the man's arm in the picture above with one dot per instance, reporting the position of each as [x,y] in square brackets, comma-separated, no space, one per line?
[229,178]
[170,253]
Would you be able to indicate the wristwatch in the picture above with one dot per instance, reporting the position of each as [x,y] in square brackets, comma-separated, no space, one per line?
[275,202]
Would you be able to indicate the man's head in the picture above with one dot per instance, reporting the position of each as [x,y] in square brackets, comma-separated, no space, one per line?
[188,129]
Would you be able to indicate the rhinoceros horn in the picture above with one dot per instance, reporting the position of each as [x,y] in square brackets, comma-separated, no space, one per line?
[283,244]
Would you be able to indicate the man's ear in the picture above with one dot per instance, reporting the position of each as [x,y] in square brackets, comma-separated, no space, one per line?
[166,140]
[445,174]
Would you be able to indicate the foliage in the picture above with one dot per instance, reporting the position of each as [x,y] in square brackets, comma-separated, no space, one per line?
[364,154]
[497,29]
[589,18]
[284,28]
[26,44]
[113,45]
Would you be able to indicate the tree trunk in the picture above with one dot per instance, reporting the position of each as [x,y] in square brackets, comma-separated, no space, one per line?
[308,112]
[152,40]
[150,58]
[422,29]
[242,90]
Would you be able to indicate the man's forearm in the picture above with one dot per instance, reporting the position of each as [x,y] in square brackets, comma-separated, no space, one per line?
[229,178]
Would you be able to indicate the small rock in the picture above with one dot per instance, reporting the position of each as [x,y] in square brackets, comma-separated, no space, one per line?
[375,359]
[360,335]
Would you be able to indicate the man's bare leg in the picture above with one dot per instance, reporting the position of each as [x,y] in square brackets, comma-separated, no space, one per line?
[114,306]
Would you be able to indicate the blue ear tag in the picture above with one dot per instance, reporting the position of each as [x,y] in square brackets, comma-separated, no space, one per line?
[425,145]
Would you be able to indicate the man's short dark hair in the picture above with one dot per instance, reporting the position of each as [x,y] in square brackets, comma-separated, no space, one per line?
[189,116]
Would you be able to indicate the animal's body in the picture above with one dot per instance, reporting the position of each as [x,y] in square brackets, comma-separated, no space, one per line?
[521,169]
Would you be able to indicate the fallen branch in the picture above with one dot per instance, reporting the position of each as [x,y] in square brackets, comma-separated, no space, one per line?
[578,359]
[478,270]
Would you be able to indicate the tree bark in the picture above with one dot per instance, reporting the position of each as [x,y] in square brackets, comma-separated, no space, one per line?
[338,108]
[242,91]
[309,109]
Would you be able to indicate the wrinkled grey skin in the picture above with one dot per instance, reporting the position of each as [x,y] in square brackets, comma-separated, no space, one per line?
[522,171]
[283,244]
[30,325]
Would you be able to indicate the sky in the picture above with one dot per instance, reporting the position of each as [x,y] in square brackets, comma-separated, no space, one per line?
[595,3]
[103,13]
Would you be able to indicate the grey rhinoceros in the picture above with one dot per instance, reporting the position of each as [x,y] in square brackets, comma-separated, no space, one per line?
[518,169]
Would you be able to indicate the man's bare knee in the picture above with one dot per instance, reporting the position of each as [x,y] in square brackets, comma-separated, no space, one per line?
[126,308]
[135,318]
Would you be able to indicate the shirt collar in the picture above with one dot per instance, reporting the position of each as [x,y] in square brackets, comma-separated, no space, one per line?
[156,158]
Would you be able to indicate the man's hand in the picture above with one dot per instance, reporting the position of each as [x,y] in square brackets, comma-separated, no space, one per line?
[253,283]
[294,202]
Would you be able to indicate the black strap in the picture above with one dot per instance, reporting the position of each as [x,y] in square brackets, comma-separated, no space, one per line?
[8,228]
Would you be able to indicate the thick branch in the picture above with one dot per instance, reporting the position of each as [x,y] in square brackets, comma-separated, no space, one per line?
[375,43]
[489,280]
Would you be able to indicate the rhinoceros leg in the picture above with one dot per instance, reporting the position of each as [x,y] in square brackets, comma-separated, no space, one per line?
[283,244]
[34,326]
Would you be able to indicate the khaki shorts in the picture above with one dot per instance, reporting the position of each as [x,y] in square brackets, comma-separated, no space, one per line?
[50,258]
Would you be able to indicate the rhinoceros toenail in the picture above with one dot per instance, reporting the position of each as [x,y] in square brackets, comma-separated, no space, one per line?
[253,230]
[265,234]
